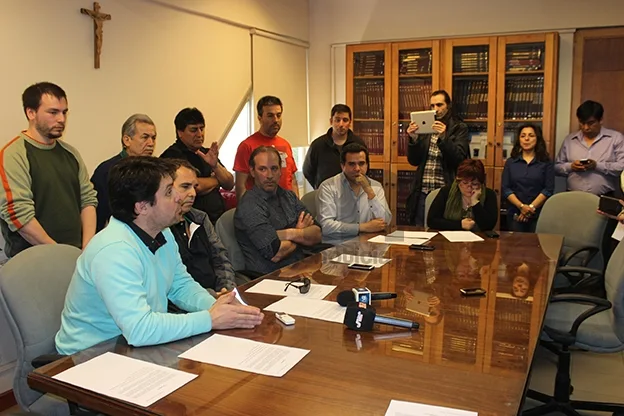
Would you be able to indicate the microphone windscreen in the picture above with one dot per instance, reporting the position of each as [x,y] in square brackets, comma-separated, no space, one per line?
[345,297]
[359,316]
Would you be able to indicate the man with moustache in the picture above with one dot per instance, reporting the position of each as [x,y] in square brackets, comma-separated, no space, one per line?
[132,268]
[213,176]
[138,138]
[270,117]
[323,158]
[436,155]
[202,252]
[271,223]
[46,196]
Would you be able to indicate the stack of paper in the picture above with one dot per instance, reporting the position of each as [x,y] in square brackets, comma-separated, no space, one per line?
[461,236]
[276,287]
[405,238]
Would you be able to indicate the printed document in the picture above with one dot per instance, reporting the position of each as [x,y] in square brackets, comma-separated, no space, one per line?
[386,239]
[461,236]
[427,235]
[399,408]
[310,308]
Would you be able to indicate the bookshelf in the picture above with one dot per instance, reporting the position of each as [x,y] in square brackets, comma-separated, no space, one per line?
[380,172]
[496,83]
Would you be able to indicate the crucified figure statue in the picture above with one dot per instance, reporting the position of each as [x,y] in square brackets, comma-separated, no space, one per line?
[98,28]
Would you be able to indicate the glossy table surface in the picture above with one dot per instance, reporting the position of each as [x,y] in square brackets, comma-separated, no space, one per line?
[469,353]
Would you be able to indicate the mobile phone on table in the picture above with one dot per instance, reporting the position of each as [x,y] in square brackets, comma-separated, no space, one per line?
[422,247]
[472,291]
[491,234]
[285,318]
[359,266]
[610,205]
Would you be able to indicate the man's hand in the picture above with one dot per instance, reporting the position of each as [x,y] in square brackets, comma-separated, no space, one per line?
[373,226]
[412,129]
[228,314]
[577,166]
[211,157]
[305,220]
[467,224]
[222,292]
[438,127]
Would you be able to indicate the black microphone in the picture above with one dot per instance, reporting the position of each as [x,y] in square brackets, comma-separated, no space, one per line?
[361,317]
[347,296]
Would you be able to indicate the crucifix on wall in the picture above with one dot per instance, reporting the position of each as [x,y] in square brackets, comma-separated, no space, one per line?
[98,29]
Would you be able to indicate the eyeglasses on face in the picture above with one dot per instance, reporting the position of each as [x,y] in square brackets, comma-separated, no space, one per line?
[304,287]
[474,184]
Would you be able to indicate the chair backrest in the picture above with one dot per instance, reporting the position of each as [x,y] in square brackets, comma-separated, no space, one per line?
[573,215]
[309,200]
[614,286]
[33,285]
[428,201]
[225,230]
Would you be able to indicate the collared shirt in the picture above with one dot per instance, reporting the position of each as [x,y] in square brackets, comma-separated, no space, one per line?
[340,210]
[433,174]
[211,203]
[527,180]
[608,152]
[259,215]
[202,252]
[153,244]
[100,183]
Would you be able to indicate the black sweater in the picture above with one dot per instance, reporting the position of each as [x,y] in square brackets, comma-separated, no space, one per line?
[485,216]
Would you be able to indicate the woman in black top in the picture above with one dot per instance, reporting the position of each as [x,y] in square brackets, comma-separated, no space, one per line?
[466,204]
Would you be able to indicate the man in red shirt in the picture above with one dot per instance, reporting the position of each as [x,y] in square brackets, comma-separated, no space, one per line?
[270,117]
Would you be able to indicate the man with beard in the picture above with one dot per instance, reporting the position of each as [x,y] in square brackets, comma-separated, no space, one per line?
[138,138]
[200,247]
[46,195]
[323,158]
[270,117]
[436,155]
[350,202]
[132,268]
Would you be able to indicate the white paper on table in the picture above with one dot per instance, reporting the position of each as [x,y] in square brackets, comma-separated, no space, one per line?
[399,408]
[414,234]
[386,239]
[276,287]
[310,308]
[352,258]
[246,355]
[125,378]
[618,233]
[238,297]
[461,236]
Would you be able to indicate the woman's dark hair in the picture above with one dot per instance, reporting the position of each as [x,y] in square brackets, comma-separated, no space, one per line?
[136,179]
[471,169]
[541,153]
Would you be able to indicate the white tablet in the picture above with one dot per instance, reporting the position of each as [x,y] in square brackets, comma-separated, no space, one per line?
[424,120]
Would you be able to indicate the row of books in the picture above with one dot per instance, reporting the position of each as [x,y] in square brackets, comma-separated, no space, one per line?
[509,356]
[376,174]
[413,96]
[473,61]
[415,62]
[471,98]
[524,58]
[368,64]
[368,99]
[524,98]
[373,136]
[403,139]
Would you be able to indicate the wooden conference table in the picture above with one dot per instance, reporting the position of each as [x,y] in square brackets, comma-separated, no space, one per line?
[469,353]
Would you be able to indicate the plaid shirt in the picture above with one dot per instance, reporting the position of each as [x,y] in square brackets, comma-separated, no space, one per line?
[433,174]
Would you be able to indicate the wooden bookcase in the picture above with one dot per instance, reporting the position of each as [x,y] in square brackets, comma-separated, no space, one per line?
[497,83]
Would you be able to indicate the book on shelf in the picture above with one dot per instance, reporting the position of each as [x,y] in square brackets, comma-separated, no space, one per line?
[413,96]
[415,62]
[524,97]
[368,64]
[373,135]
[470,98]
[403,139]
[522,58]
[476,61]
[376,174]
[368,99]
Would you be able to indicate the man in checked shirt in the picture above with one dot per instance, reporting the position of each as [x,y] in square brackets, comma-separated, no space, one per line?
[271,223]
[436,155]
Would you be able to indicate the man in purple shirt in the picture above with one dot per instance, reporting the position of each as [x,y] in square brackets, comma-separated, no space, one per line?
[592,158]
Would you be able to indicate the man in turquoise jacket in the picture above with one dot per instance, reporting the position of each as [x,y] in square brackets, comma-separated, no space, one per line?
[131,268]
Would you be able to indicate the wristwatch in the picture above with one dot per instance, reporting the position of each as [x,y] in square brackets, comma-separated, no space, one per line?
[521,206]
[531,206]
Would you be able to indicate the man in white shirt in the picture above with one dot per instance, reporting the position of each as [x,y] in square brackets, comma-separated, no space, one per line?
[350,202]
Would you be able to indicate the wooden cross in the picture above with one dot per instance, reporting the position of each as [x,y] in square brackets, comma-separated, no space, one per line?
[98,29]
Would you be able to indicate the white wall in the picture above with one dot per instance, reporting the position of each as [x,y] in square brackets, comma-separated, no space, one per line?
[363,21]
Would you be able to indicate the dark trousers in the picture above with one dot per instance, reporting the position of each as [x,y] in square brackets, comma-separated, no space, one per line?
[419,217]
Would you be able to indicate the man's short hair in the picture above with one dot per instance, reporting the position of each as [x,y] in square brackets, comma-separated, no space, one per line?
[353,148]
[268,100]
[341,108]
[263,149]
[136,179]
[588,110]
[129,126]
[31,98]
[188,116]
[183,163]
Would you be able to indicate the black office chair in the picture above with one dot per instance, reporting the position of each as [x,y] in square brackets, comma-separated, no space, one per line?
[587,322]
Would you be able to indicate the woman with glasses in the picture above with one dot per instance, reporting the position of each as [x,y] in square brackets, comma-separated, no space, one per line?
[528,179]
[466,204]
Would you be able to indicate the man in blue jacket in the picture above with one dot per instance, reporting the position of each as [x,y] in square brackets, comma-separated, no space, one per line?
[130,270]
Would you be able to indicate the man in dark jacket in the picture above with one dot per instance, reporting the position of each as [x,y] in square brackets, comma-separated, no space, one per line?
[435,155]
[323,158]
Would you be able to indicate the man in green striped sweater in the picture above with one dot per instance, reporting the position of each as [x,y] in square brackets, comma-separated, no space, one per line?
[46,196]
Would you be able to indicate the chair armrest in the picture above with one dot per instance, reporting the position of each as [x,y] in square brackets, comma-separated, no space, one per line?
[568,338]
[45,359]
[591,252]
[587,276]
